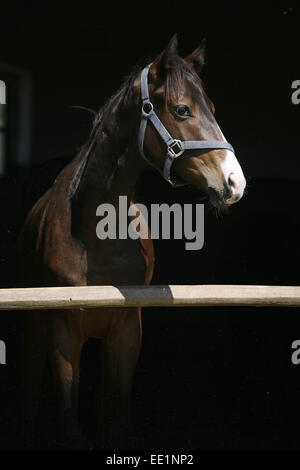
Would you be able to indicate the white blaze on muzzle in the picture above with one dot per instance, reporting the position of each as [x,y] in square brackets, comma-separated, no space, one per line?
[233,174]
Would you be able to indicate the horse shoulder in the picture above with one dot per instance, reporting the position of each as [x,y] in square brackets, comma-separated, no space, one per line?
[46,238]
[147,249]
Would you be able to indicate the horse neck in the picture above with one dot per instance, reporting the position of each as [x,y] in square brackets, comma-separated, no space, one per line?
[112,170]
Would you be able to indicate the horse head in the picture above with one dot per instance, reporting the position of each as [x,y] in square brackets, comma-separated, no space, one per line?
[186,112]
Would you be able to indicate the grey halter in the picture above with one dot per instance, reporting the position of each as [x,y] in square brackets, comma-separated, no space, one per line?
[175,147]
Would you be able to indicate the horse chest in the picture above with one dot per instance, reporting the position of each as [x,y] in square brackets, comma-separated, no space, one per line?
[117,262]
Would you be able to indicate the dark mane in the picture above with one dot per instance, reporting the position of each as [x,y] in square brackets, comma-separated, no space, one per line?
[122,91]
[84,152]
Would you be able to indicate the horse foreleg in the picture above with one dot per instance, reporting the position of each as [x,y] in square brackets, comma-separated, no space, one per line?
[33,358]
[65,350]
[119,355]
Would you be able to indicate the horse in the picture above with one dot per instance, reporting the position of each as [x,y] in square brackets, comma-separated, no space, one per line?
[159,107]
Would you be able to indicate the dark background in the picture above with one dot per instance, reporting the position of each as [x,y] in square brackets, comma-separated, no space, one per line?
[207,378]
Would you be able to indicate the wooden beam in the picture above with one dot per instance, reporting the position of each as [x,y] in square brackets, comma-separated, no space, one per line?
[148,296]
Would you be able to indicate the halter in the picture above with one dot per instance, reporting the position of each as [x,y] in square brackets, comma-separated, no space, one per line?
[175,147]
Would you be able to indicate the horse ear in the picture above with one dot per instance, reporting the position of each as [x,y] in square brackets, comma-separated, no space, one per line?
[166,59]
[197,58]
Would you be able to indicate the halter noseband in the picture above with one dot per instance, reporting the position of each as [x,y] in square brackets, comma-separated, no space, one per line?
[175,147]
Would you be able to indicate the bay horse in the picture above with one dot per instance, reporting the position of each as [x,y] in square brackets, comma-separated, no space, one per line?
[58,245]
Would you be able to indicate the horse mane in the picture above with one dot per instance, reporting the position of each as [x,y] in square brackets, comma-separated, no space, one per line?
[176,74]
[85,150]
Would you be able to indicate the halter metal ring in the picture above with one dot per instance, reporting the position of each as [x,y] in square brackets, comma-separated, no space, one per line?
[175,149]
[147,108]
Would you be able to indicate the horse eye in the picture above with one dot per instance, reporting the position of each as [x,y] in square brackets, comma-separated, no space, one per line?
[183,110]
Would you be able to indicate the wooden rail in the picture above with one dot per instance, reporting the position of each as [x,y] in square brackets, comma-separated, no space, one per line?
[149,296]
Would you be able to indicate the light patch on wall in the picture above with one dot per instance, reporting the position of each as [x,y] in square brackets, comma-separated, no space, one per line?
[2,353]
[2,92]
[2,125]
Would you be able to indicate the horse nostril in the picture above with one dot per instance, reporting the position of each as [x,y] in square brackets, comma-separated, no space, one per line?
[232,183]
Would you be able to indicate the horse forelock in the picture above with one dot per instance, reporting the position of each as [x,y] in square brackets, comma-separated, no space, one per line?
[177,76]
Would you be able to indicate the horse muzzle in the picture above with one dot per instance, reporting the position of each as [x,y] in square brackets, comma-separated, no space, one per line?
[234,179]
[231,193]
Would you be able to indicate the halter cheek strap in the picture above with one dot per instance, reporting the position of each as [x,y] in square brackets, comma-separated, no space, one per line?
[175,147]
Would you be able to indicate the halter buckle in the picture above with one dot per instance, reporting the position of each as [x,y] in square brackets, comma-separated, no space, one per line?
[147,108]
[175,149]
